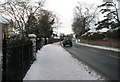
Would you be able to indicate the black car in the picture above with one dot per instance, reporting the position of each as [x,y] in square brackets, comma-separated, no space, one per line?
[67,41]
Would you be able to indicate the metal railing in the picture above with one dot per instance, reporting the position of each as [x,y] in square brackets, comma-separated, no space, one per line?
[17,59]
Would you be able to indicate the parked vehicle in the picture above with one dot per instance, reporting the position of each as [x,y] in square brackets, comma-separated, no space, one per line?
[67,41]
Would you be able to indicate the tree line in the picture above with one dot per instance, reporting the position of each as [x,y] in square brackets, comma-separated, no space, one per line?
[28,18]
[87,16]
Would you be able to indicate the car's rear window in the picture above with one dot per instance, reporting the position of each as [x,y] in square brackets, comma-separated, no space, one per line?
[67,38]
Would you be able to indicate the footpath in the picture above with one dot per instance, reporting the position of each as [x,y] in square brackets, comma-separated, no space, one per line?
[55,63]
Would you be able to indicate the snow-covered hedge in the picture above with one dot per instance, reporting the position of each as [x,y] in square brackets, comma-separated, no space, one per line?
[93,36]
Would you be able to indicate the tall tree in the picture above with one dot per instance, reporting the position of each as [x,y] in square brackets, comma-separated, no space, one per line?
[111,19]
[45,23]
[31,24]
[83,16]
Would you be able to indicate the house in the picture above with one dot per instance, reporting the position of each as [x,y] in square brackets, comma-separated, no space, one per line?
[5,27]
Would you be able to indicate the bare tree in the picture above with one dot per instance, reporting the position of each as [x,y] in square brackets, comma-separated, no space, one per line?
[83,16]
[18,11]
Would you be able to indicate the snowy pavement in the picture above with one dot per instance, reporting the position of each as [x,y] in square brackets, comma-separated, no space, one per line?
[55,63]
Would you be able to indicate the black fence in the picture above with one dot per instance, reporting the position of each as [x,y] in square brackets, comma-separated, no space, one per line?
[17,59]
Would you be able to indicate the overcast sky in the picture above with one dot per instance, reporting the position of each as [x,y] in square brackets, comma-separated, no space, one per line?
[64,8]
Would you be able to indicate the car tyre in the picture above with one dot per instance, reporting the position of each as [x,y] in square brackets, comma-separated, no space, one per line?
[63,45]
[71,45]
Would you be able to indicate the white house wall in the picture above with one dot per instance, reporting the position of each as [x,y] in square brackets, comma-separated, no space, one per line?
[119,9]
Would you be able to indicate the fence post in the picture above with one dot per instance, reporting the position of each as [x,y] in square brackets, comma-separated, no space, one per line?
[22,46]
[4,45]
[32,37]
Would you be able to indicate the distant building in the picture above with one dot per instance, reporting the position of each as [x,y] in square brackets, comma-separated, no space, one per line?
[5,27]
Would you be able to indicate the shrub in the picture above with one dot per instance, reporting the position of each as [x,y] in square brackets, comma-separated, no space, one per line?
[115,34]
[85,36]
[96,36]
[93,36]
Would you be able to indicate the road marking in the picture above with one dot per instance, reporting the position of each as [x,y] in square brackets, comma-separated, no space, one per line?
[113,56]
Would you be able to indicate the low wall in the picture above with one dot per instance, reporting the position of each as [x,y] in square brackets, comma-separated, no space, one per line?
[108,43]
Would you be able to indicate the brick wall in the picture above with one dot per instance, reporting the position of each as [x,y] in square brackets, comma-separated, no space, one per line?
[108,43]
[0,33]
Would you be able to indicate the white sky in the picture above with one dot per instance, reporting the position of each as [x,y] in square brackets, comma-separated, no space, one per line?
[64,8]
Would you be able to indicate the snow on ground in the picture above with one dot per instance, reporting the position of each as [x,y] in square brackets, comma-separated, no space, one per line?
[100,47]
[55,63]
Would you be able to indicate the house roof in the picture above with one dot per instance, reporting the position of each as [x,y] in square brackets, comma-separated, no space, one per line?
[3,21]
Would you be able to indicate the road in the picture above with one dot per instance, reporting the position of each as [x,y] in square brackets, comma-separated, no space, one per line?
[103,61]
